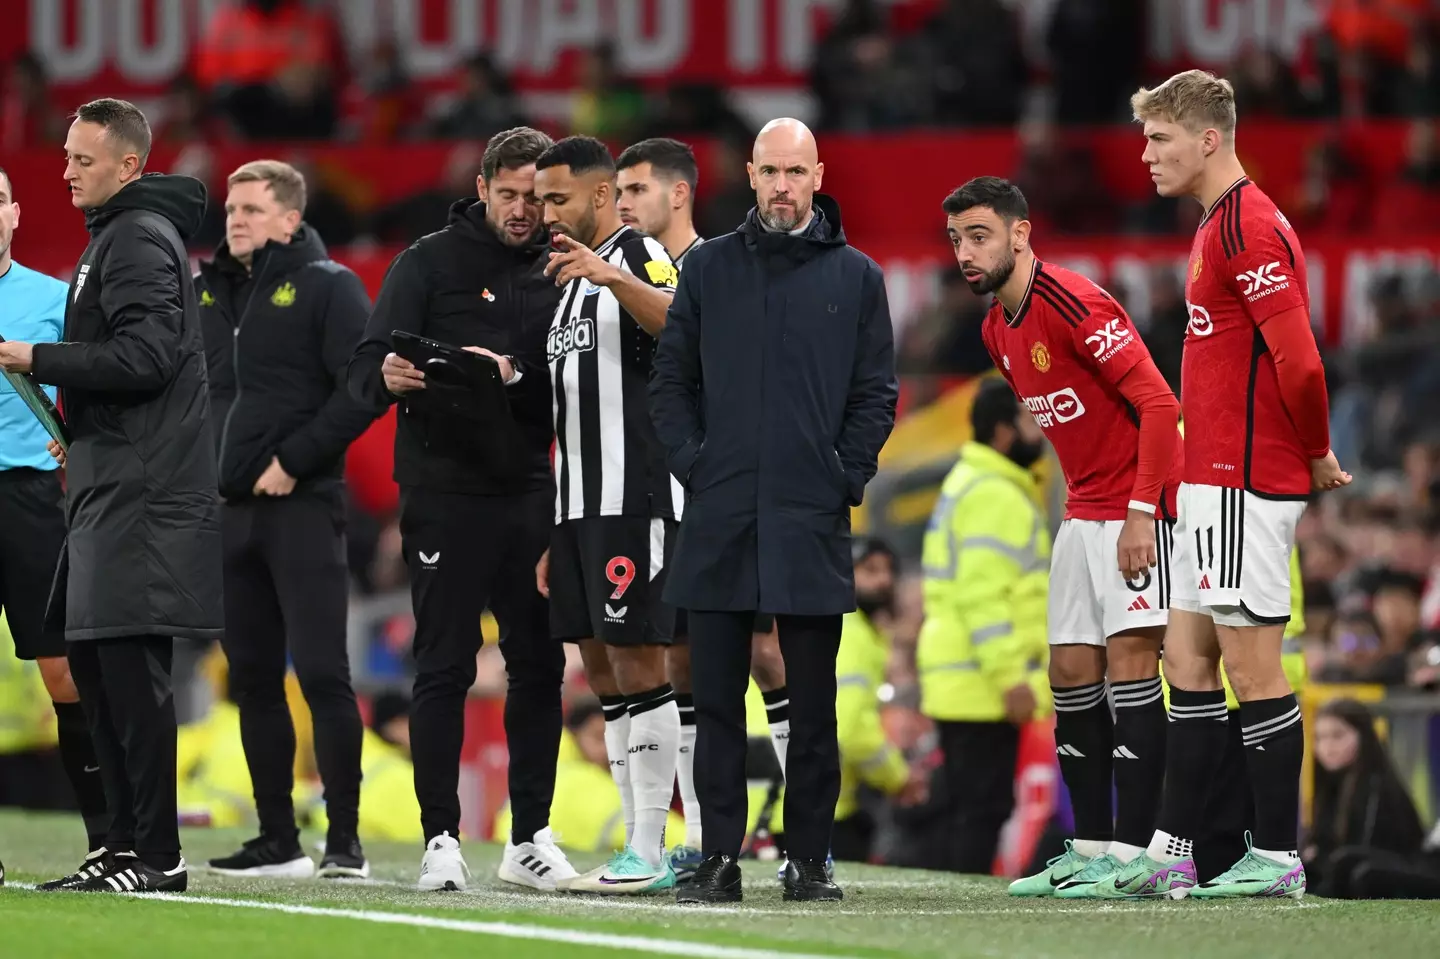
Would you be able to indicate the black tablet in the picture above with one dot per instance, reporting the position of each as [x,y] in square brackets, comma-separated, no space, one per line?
[456,379]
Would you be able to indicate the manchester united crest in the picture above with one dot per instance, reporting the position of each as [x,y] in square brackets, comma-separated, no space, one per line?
[1195,268]
[1040,356]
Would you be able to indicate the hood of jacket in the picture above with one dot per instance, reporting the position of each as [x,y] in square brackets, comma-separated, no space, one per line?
[823,233]
[279,259]
[179,199]
[467,217]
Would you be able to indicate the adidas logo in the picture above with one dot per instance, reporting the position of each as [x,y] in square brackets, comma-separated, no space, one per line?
[1138,605]
[1205,581]
[1123,752]
[535,864]
[1069,751]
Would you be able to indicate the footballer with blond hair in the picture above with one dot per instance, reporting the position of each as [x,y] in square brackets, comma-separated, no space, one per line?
[1257,445]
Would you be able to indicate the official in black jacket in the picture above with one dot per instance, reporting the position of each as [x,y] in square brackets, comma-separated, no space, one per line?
[774,391]
[281,321]
[142,559]
[477,505]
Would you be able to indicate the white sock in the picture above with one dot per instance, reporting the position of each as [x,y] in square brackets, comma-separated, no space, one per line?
[654,754]
[685,772]
[1288,856]
[617,747]
[777,712]
[1089,848]
[1125,852]
[1165,848]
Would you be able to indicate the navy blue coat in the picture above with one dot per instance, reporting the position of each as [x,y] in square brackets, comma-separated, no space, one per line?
[773,392]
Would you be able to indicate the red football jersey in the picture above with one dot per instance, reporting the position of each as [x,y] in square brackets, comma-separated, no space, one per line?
[1246,266]
[1063,352]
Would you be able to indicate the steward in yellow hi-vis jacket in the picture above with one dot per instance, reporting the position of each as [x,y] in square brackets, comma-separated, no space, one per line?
[982,652]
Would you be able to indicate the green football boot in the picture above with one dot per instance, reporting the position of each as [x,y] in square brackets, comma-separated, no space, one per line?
[1043,884]
[1255,877]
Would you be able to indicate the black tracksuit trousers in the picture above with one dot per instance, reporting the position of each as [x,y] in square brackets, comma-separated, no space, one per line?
[286,592]
[466,553]
[129,702]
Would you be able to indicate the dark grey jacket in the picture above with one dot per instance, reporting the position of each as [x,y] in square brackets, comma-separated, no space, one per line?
[143,551]
[773,392]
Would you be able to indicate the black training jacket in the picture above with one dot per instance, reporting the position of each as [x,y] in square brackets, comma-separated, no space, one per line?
[277,342]
[464,286]
[142,553]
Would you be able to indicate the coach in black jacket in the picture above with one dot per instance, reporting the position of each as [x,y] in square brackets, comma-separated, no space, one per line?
[774,391]
[281,320]
[142,559]
[477,503]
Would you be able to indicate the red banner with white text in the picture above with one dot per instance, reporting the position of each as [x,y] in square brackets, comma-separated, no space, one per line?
[134,48]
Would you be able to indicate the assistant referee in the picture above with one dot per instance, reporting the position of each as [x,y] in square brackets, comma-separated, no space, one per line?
[32,521]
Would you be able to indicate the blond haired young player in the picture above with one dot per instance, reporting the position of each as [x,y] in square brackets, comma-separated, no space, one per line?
[1257,445]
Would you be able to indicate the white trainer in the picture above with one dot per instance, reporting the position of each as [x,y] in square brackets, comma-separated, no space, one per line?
[443,869]
[539,864]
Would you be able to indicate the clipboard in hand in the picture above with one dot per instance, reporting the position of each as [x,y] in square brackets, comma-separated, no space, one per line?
[456,380]
[39,402]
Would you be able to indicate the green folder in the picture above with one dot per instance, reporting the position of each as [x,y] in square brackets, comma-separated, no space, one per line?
[36,398]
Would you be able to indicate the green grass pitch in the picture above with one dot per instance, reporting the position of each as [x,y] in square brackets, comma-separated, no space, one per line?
[886,912]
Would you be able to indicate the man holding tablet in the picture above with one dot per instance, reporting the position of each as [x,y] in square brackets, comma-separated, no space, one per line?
[476,502]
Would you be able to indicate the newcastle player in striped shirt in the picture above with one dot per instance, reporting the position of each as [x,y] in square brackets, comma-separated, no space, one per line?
[616,504]
[656,182]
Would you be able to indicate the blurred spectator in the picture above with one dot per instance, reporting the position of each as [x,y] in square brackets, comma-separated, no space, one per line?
[485,105]
[1333,197]
[382,102]
[1410,203]
[865,77]
[974,55]
[28,118]
[945,337]
[186,115]
[1417,91]
[724,203]
[1168,319]
[607,105]
[1095,56]
[407,220]
[1266,87]
[272,66]
[1357,654]
[1361,807]
[699,110]
[1058,176]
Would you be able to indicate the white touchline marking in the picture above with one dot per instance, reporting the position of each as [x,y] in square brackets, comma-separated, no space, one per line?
[508,930]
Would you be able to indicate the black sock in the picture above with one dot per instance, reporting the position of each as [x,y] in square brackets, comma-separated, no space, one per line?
[1140,730]
[77,753]
[777,705]
[686,704]
[1084,738]
[1274,750]
[1193,750]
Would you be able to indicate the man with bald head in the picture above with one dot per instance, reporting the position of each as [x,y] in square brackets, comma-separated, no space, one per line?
[773,392]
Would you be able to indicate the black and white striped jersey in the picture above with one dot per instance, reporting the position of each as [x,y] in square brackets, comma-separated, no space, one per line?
[608,461]
[680,260]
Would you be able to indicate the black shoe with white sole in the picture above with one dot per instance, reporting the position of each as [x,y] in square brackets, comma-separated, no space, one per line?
[267,857]
[130,874]
[344,859]
[96,863]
